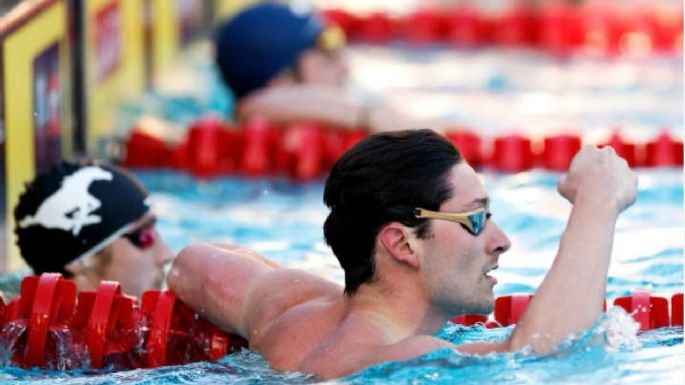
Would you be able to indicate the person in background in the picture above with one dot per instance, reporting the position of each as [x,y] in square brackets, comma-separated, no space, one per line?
[410,224]
[91,222]
[288,66]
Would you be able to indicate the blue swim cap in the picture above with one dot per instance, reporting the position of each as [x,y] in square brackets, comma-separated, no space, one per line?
[261,41]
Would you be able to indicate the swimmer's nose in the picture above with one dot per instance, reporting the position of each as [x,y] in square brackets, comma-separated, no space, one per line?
[163,254]
[498,241]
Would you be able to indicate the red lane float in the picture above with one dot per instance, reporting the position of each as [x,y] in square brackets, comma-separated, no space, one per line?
[465,27]
[424,26]
[176,333]
[53,303]
[664,151]
[469,144]
[517,26]
[508,309]
[625,150]
[145,150]
[205,146]
[561,29]
[48,327]
[33,322]
[512,153]
[649,311]
[559,151]
[300,153]
[258,137]
[469,319]
[105,325]
[348,22]
[596,27]
[306,150]
[99,324]
[377,28]
[677,310]
[604,25]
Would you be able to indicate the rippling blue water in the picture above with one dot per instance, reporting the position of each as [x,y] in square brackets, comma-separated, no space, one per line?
[283,220]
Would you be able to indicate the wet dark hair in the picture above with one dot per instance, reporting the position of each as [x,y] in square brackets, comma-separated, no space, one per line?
[379,180]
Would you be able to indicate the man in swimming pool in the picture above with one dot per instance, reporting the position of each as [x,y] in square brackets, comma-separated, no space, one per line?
[91,222]
[288,66]
[411,227]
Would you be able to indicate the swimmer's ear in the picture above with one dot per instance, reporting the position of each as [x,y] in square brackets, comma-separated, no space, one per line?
[398,241]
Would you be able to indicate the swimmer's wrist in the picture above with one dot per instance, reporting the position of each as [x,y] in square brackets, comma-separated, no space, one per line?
[598,201]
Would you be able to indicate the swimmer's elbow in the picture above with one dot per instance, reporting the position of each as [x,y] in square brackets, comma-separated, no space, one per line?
[183,272]
[191,256]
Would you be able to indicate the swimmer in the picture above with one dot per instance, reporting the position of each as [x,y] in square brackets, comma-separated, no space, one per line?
[287,66]
[91,222]
[411,227]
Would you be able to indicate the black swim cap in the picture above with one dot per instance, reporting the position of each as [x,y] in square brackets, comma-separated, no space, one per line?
[262,40]
[74,210]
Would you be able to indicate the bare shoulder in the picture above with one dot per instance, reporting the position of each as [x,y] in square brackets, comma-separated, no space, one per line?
[283,289]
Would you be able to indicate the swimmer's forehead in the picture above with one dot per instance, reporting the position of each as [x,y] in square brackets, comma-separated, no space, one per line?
[468,192]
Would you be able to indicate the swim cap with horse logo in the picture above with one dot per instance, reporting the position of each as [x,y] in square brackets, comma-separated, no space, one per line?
[74,210]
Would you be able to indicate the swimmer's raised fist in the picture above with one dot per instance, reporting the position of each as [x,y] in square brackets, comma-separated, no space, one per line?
[599,174]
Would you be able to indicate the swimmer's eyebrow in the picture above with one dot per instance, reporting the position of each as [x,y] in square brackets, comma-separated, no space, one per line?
[477,203]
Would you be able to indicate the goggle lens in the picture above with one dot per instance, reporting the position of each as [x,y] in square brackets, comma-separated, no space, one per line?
[144,236]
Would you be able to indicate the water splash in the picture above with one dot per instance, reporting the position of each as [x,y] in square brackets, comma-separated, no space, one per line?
[9,336]
[67,355]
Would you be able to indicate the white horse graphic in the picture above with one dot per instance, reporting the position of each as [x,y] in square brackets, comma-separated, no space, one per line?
[70,207]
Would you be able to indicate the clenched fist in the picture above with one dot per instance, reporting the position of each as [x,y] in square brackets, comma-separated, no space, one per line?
[599,174]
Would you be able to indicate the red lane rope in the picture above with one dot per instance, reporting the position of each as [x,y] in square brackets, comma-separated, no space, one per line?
[596,27]
[113,326]
[306,150]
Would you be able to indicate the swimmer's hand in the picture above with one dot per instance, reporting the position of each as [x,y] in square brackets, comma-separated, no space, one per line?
[599,174]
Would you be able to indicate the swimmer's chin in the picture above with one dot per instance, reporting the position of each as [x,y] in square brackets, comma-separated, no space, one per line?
[484,308]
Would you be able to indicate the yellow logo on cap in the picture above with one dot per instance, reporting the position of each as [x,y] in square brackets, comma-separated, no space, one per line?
[332,38]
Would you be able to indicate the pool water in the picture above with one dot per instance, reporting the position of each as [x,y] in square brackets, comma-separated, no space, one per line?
[491,92]
[283,221]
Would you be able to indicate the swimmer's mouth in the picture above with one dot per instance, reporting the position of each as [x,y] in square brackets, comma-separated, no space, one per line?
[489,270]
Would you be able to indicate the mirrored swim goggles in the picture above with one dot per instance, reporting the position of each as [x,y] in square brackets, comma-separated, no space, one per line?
[144,236]
[472,221]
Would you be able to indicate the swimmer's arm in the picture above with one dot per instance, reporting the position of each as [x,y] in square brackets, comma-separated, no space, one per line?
[217,281]
[241,291]
[600,185]
[247,252]
[292,104]
[571,297]
[330,105]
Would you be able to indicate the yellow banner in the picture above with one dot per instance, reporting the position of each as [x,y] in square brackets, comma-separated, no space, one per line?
[224,9]
[21,47]
[114,61]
